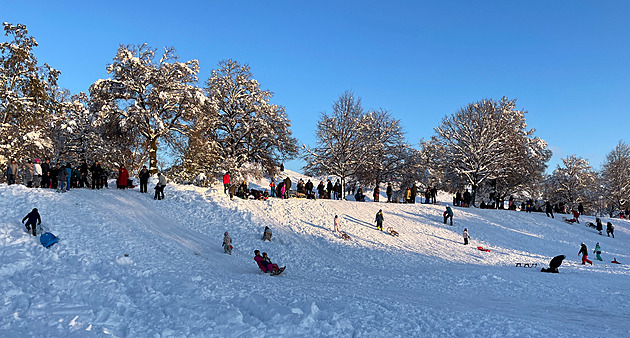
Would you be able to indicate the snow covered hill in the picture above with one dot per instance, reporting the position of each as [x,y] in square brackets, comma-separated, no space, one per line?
[130,266]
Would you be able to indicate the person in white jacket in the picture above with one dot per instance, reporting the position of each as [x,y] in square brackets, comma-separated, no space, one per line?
[37,174]
[466,237]
[337,223]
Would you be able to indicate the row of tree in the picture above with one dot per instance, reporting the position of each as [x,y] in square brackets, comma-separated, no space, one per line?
[149,106]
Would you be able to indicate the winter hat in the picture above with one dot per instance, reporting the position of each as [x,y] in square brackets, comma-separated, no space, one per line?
[36,160]
[225,234]
[582,243]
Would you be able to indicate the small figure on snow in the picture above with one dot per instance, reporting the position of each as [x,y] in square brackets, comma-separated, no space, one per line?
[32,218]
[448,213]
[226,182]
[159,187]
[466,236]
[600,226]
[610,229]
[337,224]
[267,234]
[598,251]
[379,219]
[584,252]
[548,209]
[576,216]
[554,264]
[227,243]
[389,192]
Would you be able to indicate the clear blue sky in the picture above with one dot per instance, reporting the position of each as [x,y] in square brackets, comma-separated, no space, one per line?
[567,62]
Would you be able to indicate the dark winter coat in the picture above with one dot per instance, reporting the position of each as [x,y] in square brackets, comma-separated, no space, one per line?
[309,186]
[32,217]
[329,186]
[144,175]
[287,184]
[389,190]
[62,175]
[320,189]
[379,218]
[556,262]
[12,169]
[96,170]
[583,250]
[548,207]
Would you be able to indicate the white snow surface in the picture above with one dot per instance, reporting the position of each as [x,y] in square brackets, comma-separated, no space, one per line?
[130,266]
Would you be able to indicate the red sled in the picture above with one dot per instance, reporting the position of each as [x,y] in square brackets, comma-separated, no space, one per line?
[482,249]
[615,261]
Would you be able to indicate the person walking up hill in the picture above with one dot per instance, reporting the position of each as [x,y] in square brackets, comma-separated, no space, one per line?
[584,252]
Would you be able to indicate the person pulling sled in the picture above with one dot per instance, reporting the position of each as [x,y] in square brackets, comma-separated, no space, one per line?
[32,217]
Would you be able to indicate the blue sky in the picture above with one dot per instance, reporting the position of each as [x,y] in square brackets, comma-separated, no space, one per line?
[566,62]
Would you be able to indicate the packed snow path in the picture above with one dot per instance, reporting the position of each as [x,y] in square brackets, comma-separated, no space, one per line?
[128,265]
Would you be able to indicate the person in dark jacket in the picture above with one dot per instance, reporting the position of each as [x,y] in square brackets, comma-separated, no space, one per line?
[144,178]
[83,170]
[389,192]
[309,187]
[379,219]
[337,190]
[581,209]
[554,264]
[321,190]
[584,252]
[32,217]
[12,172]
[375,194]
[548,209]
[45,174]
[287,187]
[610,229]
[97,171]
[62,179]
[600,226]
[52,174]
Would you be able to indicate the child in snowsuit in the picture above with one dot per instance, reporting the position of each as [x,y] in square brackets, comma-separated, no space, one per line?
[610,229]
[466,237]
[448,214]
[227,243]
[598,251]
[337,224]
[379,219]
[554,264]
[584,252]
[32,217]
[267,234]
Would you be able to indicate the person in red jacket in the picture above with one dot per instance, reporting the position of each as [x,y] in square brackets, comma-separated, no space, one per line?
[576,216]
[226,182]
[123,175]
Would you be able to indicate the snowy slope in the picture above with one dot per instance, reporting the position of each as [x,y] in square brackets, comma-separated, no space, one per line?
[129,266]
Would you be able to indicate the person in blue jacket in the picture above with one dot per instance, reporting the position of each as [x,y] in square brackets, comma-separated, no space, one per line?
[32,218]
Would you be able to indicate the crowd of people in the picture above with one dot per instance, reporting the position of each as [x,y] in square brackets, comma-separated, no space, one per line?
[64,177]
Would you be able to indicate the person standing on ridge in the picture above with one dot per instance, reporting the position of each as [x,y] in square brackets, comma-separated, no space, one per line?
[144,178]
[226,182]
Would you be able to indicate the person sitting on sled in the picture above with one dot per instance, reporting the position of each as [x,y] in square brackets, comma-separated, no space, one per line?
[554,264]
[264,263]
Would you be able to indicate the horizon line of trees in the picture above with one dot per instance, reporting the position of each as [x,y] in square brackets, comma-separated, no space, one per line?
[150,106]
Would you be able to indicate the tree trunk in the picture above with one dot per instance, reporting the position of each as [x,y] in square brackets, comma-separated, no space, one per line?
[153,156]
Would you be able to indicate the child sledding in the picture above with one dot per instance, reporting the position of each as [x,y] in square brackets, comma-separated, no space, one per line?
[265,264]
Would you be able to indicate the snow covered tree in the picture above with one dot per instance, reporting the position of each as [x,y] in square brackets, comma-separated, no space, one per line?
[387,153]
[616,176]
[250,131]
[489,140]
[26,97]
[342,149]
[572,183]
[150,100]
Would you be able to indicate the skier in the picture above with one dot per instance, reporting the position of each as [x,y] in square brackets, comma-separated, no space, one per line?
[610,229]
[466,237]
[226,182]
[600,227]
[584,252]
[554,264]
[598,251]
[448,214]
[379,219]
[337,224]
[389,192]
[32,217]
[227,243]
[144,178]
[548,209]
